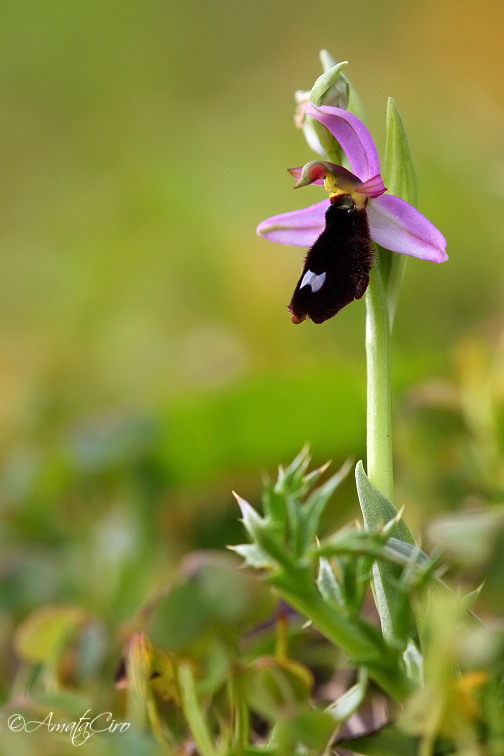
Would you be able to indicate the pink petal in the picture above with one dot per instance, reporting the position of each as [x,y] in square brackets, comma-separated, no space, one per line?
[373,187]
[352,135]
[399,227]
[296,172]
[299,227]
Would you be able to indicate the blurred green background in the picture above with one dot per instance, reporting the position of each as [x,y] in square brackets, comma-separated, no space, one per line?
[148,363]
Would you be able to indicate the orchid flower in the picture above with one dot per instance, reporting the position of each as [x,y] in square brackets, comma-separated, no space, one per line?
[340,228]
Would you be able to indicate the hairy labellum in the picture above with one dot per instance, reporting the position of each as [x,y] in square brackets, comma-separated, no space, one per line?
[336,268]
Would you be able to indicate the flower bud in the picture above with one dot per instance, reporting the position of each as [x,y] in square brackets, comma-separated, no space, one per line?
[331,88]
[302,121]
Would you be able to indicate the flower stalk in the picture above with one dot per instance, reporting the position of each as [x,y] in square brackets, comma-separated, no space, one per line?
[381,302]
[379,395]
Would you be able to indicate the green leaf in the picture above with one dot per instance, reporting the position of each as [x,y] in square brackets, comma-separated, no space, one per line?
[254,556]
[276,688]
[329,588]
[311,512]
[387,742]
[209,595]
[274,505]
[252,521]
[408,550]
[44,633]
[138,684]
[377,510]
[399,172]
[417,571]
[413,660]
[313,729]
[67,703]
[399,178]
[290,479]
[196,719]
[350,701]
[311,478]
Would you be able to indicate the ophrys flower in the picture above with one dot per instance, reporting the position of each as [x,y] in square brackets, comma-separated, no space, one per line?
[339,229]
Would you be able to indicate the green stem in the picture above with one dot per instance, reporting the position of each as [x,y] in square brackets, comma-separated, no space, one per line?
[379,433]
[299,592]
[381,302]
[193,713]
[379,405]
[241,716]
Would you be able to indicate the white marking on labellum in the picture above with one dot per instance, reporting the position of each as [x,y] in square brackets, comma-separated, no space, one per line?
[313,281]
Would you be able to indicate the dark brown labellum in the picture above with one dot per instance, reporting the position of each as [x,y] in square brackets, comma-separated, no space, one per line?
[336,268]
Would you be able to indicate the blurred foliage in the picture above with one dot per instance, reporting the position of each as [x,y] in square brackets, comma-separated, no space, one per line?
[452,425]
[211,666]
